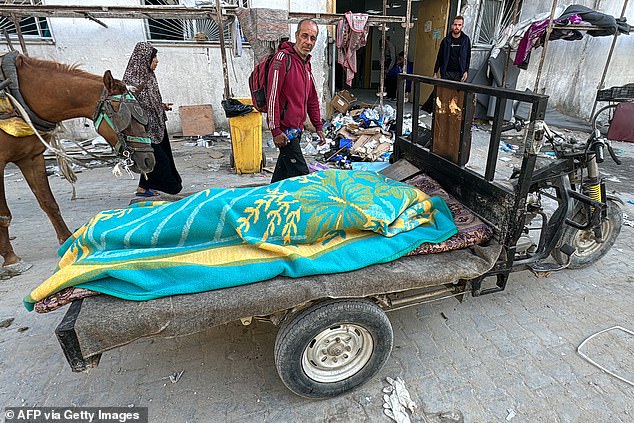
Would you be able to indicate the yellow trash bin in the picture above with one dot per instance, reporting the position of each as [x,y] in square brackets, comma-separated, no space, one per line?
[246,140]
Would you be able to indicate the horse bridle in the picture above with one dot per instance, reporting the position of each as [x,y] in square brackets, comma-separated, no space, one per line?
[121,119]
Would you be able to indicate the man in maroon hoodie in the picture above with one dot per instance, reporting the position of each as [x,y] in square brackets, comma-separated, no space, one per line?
[292,96]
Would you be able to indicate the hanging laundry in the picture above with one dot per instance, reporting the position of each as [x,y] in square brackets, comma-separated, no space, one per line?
[352,34]
[534,38]
[573,15]
[263,28]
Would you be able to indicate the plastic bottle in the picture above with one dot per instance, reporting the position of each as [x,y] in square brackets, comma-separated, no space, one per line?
[292,133]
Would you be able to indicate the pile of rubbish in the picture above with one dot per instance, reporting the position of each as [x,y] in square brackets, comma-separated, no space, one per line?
[355,134]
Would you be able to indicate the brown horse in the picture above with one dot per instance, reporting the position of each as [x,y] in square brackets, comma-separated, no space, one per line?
[56,92]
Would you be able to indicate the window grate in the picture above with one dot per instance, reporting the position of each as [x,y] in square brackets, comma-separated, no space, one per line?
[33,28]
[198,30]
[493,17]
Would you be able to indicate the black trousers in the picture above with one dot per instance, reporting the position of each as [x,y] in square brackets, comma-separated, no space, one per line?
[164,177]
[290,162]
[390,86]
[453,75]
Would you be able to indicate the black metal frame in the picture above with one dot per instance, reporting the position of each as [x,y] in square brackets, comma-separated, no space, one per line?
[502,207]
[67,337]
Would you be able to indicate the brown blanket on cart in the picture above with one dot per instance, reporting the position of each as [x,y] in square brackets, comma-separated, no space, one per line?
[471,231]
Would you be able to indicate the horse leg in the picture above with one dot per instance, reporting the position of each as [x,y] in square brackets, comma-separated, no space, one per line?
[6,249]
[34,171]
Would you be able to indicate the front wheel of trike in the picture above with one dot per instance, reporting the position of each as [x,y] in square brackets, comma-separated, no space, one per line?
[332,347]
[587,249]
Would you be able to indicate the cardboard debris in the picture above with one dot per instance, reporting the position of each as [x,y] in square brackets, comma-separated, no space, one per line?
[197,120]
[342,101]
[368,143]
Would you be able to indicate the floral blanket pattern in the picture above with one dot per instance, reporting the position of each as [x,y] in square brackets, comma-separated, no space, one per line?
[326,222]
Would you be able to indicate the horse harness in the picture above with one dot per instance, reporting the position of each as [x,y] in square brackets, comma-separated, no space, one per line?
[120,120]
[9,82]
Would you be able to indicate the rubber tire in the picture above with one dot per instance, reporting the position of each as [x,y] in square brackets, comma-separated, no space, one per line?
[299,331]
[615,218]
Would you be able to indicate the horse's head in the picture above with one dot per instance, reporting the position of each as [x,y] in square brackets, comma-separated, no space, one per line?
[120,119]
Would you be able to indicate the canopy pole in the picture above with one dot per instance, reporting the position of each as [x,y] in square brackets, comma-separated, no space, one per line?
[18,30]
[608,60]
[8,39]
[407,25]
[223,53]
[382,76]
[541,61]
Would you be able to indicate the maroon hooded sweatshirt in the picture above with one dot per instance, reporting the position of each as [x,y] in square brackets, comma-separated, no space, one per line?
[292,93]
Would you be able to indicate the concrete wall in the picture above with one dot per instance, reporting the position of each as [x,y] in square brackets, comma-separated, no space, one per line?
[572,69]
[187,73]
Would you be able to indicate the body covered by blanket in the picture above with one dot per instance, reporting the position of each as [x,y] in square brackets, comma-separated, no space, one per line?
[326,222]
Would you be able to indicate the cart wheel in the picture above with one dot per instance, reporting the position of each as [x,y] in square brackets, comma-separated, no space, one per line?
[588,250]
[263,160]
[333,347]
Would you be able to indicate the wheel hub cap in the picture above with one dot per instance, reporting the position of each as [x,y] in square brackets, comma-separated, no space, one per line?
[337,353]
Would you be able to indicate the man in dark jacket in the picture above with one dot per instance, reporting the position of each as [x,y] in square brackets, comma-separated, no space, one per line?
[292,96]
[454,55]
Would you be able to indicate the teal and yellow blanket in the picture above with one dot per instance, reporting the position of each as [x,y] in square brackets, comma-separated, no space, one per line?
[327,222]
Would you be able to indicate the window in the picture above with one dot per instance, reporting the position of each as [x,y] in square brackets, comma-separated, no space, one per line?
[493,17]
[199,30]
[32,28]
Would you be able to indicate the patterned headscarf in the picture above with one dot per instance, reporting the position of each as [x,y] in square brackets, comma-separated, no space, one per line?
[139,74]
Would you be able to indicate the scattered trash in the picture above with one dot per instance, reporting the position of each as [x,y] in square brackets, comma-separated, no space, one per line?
[511,414]
[397,401]
[321,149]
[451,416]
[216,155]
[6,322]
[370,166]
[309,149]
[630,201]
[175,377]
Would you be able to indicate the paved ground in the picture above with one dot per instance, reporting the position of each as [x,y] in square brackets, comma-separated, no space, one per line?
[504,357]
